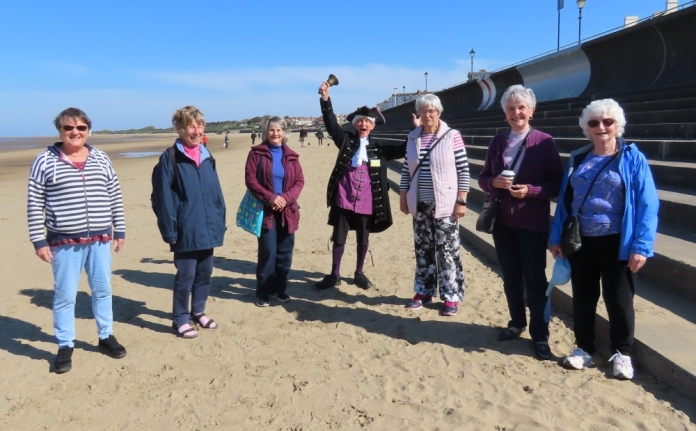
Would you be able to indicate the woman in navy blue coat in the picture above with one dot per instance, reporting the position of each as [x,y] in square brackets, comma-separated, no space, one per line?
[190,212]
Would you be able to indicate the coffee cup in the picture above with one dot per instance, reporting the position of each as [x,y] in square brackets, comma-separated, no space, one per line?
[508,175]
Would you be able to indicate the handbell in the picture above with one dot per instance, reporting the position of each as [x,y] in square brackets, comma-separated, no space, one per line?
[333,81]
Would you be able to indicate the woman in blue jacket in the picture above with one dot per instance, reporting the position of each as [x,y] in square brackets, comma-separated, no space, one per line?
[190,208]
[610,188]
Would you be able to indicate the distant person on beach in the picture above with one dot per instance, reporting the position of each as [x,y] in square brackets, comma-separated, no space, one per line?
[281,181]
[75,210]
[253,138]
[434,187]
[608,186]
[303,136]
[320,137]
[357,193]
[190,208]
[205,141]
[227,140]
[522,227]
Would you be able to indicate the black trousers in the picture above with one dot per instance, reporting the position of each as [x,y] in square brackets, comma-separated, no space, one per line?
[522,257]
[598,259]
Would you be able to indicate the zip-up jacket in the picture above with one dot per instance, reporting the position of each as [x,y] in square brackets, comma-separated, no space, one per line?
[191,210]
[639,223]
[66,203]
[263,191]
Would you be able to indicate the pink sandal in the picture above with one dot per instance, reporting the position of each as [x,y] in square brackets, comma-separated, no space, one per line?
[209,323]
[185,333]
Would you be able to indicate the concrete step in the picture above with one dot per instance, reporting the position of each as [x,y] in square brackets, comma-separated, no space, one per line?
[677,208]
[684,131]
[665,338]
[667,174]
[675,246]
[675,249]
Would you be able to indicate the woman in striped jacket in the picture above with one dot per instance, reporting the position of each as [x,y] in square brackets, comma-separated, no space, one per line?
[75,210]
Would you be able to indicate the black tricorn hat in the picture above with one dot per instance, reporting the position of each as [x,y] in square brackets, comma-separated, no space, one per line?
[365,111]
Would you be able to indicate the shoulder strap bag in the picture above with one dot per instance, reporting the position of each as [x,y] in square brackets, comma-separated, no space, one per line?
[571,240]
[427,154]
[489,212]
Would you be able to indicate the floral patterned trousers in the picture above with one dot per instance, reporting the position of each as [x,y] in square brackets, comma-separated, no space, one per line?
[438,258]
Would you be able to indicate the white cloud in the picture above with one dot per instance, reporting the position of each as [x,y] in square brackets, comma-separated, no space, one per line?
[221,94]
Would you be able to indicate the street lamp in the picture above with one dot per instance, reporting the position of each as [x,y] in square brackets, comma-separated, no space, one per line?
[426,81]
[472,53]
[404,88]
[581,4]
[559,6]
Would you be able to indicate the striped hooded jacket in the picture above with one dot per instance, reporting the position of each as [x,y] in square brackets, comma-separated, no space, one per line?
[66,203]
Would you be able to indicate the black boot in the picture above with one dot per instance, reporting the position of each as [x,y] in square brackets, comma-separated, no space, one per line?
[111,347]
[63,362]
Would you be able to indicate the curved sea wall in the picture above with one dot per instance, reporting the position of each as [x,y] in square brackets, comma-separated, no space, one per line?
[656,52]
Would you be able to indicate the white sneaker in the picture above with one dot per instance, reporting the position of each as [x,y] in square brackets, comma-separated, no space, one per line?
[578,359]
[623,369]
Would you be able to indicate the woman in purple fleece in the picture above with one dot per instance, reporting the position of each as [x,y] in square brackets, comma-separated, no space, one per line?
[522,227]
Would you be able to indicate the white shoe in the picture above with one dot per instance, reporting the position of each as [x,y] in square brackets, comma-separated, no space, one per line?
[623,369]
[578,359]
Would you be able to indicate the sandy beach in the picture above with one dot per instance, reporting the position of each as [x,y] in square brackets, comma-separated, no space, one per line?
[341,359]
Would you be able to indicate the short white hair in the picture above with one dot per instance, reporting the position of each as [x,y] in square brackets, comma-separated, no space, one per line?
[358,117]
[519,93]
[428,100]
[606,107]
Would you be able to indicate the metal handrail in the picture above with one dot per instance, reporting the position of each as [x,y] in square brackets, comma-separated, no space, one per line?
[570,45]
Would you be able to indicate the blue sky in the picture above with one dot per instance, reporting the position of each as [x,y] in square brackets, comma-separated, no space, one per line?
[130,64]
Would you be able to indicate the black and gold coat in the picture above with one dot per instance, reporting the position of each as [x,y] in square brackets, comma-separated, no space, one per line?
[348,143]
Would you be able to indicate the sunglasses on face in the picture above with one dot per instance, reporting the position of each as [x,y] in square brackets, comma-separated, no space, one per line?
[606,121]
[68,128]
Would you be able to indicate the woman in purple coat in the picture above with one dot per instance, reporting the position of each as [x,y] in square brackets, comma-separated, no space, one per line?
[281,181]
[521,230]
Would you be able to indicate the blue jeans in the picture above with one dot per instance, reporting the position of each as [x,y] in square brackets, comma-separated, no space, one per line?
[194,270]
[522,257]
[68,262]
[274,259]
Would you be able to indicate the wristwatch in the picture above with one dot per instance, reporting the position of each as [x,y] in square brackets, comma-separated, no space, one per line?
[461,202]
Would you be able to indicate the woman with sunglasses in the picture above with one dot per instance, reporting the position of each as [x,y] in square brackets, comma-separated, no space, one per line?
[521,231]
[609,186]
[75,210]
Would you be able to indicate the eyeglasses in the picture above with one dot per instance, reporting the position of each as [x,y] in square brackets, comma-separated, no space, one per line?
[69,128]
[428,111]
[606,121]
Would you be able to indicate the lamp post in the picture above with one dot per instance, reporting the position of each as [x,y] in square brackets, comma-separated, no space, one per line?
[404,90]
[559,7]
[395,96]
[581,4]
[472,53]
